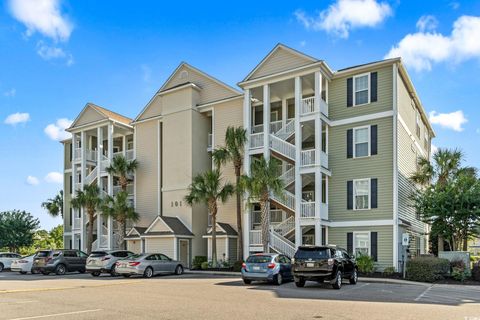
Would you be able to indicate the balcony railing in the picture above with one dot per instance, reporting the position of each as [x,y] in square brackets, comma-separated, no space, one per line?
[78,186]
[283,147]
[275,126]
[130,154]
[276,216]
[256,140]
[256,237]
[91,155]
[77,154]
[77,223]
[308,105]
[258,128]
[307,209]
[117,189]
[308,157]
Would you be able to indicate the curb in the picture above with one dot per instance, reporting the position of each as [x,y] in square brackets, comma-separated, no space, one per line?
[215,273]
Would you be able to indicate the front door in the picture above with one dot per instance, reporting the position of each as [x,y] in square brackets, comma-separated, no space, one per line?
[184,255]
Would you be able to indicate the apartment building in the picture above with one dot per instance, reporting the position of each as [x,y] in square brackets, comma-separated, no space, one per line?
[346,141]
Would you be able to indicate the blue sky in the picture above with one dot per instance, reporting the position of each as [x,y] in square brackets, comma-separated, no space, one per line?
[57,55]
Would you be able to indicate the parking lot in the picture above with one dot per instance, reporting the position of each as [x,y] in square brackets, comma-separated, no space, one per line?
[189,296]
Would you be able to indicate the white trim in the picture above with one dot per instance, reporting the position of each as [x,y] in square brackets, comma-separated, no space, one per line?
[159,117]
[187,85]
[369,134]
[159,167]
[355,91]
[372,116]
[396,116]
[369,194]
[133,239]
[155,221]
[360,223]
[354,247]
[204,106]
[374,65]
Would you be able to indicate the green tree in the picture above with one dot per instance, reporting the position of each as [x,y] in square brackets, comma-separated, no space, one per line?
[54,206]
[56,236]
[119,208]
[17,229]
[89,200]
[122,168]
[43,239]
[263,180]
[233,151]
[208,188]
[448,198]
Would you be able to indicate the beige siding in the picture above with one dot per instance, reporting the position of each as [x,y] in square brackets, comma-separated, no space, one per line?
[221,248]
[378,166]
[67,197]
[338,236]
[160,226]
[146,177]
[337,96]
[134,245]
[280,60]
[66,155]
[211,90]
[160,245]
[153,109]
[89,116]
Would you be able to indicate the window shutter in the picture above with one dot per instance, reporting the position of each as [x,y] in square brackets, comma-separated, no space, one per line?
[349,92]
[350,195]
[373,193]
[373,245]
[350,243]
[373,139]
[373,86]
[350,143]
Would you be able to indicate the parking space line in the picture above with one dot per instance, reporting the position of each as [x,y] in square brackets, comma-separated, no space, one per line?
[423,293]
[57,314]
[66,288]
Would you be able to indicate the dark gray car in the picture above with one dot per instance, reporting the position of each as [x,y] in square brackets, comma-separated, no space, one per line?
[59,261]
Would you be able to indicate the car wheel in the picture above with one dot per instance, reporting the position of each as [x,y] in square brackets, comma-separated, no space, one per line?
[148,273]
[33,271]
[113,271]
[1,267]
[354,277]
[178,270]
[95,274]
[278,279]
[300,283]
[45,273]
[126,276]
[246,281]
[338,281]
[60,270]
[23,272]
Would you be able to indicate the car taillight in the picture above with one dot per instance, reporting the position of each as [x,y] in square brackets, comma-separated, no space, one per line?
[331,262]
[133,264]
[244,266]
[271,265]
[105,258]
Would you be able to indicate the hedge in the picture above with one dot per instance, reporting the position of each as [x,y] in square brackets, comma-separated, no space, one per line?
[427,269]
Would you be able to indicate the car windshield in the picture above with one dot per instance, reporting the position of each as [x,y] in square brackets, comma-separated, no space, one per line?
[98,254]
[259,259]
[313,253]
[42,254]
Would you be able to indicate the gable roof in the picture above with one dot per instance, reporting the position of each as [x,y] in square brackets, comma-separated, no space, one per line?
[103,113]
[223,229]
[175,226]
[297,59]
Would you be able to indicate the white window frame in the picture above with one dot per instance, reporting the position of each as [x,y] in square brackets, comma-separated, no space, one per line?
[355,89]
[369,241]
[369,141]
[355,194]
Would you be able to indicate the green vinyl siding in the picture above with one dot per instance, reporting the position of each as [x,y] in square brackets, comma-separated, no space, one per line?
[378,166]
[337,96]
[338,236]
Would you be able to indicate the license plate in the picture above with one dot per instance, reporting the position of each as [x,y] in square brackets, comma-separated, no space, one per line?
[310,264]
[256,268]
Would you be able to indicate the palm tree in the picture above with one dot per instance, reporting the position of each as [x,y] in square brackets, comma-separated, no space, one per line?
[207,188]
[88,199]
[235,140]
[122,168]
[54,206]
[121,211]
[264,179]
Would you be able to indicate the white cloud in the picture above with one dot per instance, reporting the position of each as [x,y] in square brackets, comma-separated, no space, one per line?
[345,15]
[50,53]
[54,177]
[56,131]
[17,118]
[33,181]
[43,16]
[10,93]
[433,150]
[453,120]
[425,47]
[427,23]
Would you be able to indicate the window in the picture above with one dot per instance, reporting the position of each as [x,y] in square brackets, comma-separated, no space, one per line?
[361,242]
[361,89]
[361,139]
[361,193]
[164,257]
[417,122]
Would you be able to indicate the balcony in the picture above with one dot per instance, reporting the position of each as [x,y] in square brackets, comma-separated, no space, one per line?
[308,106]
[117,189]
[130,154]
[256,140]
[91,155]
[307,209]
[308,157]
[255,237]
[77,154]
[77,223]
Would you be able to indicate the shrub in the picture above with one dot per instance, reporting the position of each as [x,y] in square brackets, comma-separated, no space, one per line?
[388,271]
[459,271]
[237,266]
[205,265]
[197,262]
[365,263]
[427,269]
[476,271]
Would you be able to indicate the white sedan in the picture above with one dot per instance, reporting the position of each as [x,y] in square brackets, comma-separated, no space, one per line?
[6,259]
[22,265]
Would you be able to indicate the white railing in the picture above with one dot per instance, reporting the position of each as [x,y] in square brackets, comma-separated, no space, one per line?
[308,157]
[77,155]
[323,107]
[117,189]
[283,147]
[288,176]
[286,226]
[104,164]
[287,130]
[78,186]
[103,194]
[255,237]
[323,159]
[117,154]
[77,223]
[91,155]
[91,176]
[281,244]
[276,216]
[210,141]
[308,105]
[130,154]
[256,140]
[275,126]
[258,128]
[307,209]
[287,199]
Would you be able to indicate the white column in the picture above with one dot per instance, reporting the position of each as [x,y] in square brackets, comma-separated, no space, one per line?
[74,182]
[246,167]
[266,122]
[124,145]
[99,181]
[298,150]
[83,141]
[318,90]
[284,112]
[110,184]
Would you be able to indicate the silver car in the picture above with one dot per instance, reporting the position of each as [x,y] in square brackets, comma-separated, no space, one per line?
[104,261]
[6,259]
[148,265]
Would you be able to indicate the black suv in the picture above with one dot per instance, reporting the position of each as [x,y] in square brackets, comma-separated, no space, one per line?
[319,263]
[59,261]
